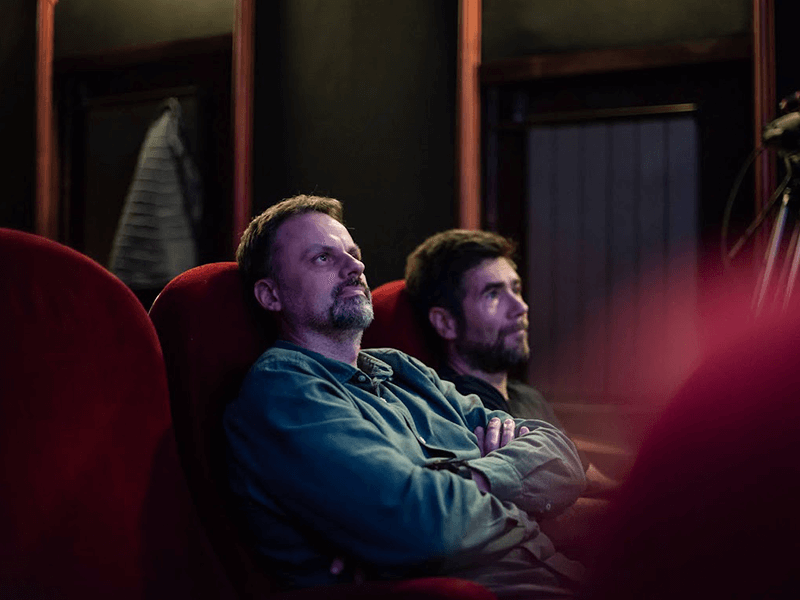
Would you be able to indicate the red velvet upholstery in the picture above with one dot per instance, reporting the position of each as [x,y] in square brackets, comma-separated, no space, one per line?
[395,325]
[210,338]
[92,500]
[710,507]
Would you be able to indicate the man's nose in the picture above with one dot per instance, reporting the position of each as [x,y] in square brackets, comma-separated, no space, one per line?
[352,267]
[518,306]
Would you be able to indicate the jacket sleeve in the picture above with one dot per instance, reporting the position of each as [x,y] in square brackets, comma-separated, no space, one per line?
[540,472]
[300,441]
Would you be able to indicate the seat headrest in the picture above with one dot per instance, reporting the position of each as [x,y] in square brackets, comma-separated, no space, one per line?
[396,325]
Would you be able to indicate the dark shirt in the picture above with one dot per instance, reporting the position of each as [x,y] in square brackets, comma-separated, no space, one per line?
[524,401]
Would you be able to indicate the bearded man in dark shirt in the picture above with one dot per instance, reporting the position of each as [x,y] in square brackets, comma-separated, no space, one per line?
[465,289]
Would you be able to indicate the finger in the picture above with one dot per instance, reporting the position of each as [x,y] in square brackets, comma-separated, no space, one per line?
[480,434]
[508,432]
[337,566]
[493,435]
[523,430]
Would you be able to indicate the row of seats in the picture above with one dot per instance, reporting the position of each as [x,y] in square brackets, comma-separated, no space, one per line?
[111,484]
[112,478]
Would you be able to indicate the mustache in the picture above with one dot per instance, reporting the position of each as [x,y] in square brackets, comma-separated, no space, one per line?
[519,326]
[352,282]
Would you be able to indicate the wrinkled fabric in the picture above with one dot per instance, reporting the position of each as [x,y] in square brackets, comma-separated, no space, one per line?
[373,464]
[523,401]
[157,234]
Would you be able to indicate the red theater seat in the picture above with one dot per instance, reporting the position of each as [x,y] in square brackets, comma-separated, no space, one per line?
[710,507]
[395,325]
[210,338]
[92,499]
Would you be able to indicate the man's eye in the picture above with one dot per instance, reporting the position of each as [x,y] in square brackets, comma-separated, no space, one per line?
[320,258]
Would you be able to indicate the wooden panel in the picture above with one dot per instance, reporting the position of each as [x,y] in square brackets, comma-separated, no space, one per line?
[653,227]
[540,259]
[624,241]
[608,60]
[46,198]
[612,231]
[468,145]
[243,86]
[682,235]
[567,290]
[595,252]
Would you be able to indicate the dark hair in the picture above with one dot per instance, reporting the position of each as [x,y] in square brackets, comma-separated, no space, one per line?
[255,252]
[435,269]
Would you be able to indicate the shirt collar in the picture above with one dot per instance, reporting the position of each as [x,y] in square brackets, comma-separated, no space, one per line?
[342,372]
[374,367]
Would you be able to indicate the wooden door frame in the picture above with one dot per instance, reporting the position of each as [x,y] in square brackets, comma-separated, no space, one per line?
[468,115]
[468,165]
[46,197]
[468,159]
[243,102]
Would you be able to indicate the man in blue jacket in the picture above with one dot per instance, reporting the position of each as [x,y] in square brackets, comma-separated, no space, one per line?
[367,457]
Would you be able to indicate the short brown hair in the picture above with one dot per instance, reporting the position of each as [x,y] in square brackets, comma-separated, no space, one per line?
[255,252]
[435,269]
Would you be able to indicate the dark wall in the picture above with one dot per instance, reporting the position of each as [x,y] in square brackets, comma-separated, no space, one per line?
[110,26]
[17,113]
[356,100]
[519,27]
[90,26]
[787,57]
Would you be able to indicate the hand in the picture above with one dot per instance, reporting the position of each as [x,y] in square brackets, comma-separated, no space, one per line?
[496,434]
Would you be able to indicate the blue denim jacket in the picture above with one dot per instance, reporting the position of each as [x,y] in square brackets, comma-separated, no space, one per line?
[372,464]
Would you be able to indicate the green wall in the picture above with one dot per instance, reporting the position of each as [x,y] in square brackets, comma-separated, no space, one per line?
[355,99]
[518,27]
[90,26]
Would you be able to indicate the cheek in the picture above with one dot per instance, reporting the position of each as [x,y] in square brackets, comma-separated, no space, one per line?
[481,325]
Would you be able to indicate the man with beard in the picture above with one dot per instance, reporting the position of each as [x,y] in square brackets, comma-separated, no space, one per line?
[347,462]
[465,290]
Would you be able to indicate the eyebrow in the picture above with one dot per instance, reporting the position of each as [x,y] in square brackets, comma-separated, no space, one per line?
[499,285]
[492,285]
[353,250]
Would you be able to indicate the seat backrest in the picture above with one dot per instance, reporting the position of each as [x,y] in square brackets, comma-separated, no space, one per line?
[396,326]
[210,338]
[92,500]
[709,509]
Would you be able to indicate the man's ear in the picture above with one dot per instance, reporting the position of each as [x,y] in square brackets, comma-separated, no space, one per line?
[266,293]
[443,322]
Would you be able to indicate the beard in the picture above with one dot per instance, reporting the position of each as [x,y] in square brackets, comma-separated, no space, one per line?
[353,312]
[496,356]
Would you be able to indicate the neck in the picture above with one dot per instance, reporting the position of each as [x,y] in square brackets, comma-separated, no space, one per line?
[341,345]
[499,381]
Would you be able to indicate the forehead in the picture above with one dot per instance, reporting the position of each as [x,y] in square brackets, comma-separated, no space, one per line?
[489,271]
[301,232]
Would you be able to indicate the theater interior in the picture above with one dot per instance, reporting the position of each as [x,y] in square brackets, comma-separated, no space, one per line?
[621,144]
